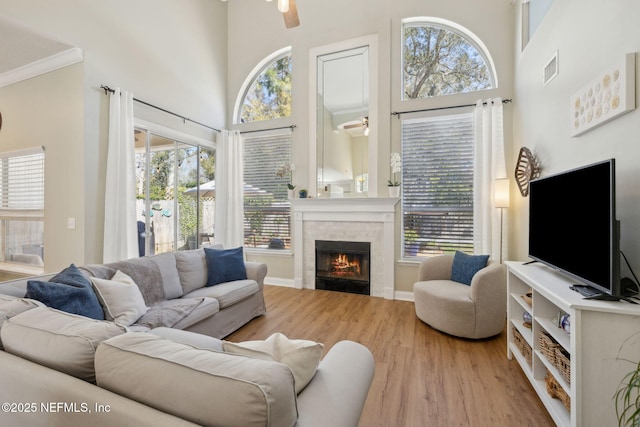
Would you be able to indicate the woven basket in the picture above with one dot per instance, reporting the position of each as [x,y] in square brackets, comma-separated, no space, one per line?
[521,344]
[547,346]
[563,363]
[556,391]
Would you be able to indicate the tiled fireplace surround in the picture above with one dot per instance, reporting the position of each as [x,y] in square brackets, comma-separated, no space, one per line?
[346,219]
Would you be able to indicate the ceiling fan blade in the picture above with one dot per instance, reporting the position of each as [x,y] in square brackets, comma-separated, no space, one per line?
[291,16]
[353,126]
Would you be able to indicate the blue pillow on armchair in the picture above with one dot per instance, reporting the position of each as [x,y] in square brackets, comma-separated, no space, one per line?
[466,266]
[68,291]
[224,265]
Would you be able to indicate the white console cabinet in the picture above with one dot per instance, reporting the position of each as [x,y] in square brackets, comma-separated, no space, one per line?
[603,340]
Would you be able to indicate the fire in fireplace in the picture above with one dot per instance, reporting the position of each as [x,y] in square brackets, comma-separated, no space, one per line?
[343,266]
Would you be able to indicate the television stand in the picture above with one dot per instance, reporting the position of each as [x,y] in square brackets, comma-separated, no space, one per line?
[601,347]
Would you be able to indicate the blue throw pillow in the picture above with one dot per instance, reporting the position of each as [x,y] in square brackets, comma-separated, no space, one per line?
[224,265]
[68,291]
[466,266]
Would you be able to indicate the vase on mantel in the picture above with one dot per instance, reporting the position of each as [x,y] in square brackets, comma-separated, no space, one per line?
[291,194]
[394,191]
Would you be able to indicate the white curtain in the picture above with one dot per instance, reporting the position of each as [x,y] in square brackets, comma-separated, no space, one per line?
[120,228]
[229,220]
[489,166]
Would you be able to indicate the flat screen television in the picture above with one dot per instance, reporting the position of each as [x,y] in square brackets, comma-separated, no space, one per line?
[573,226]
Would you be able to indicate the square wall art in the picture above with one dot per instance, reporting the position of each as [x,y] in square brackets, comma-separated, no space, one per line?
[609,96]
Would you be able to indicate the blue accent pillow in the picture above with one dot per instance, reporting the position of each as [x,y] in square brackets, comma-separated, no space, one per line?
[466,266]
[68,291]
[224,265]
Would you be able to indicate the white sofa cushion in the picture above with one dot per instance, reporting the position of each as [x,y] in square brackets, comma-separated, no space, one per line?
[238,391]
[56,339]
[207,308]
[193,339]
[120,298]
[228,293]
[301,356]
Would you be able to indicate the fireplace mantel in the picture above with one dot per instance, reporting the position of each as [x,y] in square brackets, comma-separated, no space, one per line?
[370,219]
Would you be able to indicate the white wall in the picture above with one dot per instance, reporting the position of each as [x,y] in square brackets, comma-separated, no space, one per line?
[48,111]
[257,30]
[590,36]
[168,53]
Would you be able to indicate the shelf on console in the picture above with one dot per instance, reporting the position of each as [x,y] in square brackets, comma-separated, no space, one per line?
[598,331]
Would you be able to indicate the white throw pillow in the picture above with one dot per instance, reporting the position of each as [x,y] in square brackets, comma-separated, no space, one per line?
[121,298]
[301,356]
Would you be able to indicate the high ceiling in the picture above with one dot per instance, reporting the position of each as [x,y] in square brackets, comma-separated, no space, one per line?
[20,46]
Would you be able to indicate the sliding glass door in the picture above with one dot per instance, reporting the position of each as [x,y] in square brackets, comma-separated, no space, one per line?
[175,197]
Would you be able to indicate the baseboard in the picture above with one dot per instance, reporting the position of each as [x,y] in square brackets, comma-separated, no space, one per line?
[403,296]
[277,281]
[290,283]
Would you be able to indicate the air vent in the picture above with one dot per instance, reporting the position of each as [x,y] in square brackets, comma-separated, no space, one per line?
[550,70]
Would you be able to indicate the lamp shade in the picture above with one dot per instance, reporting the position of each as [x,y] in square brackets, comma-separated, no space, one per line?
[501,193]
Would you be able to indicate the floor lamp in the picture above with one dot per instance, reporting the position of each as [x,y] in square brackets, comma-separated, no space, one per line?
[501,200]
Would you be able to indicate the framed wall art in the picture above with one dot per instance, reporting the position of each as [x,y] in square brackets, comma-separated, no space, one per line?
[607,97]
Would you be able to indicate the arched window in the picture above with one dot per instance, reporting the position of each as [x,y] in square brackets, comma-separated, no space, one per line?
[266,94]
[439,58]
[442,58]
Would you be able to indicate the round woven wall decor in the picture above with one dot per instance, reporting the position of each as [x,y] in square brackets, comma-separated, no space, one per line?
[527,168]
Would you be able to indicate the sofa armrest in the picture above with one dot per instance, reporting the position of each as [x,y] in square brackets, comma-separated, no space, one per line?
[337,393]
[18,287]
[490,283]
[256,271]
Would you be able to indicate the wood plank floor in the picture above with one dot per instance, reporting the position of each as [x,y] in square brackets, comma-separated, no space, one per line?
[423,377]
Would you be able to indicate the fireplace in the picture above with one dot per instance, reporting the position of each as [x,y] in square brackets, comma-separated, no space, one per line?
[343,266]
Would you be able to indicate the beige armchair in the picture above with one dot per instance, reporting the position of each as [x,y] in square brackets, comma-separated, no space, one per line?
[476,311]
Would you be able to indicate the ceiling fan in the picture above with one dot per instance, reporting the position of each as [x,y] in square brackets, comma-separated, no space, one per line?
[289,12]
[359,127]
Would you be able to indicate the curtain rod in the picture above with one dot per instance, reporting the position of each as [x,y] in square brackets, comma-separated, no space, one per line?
[108,89]
[292,127]
[398,113]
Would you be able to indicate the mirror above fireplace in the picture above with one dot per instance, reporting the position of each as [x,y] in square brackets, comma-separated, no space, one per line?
[343,119]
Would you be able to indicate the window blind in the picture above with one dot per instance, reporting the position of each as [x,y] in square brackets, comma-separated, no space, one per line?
[22,180]
[437,184]
[267,210]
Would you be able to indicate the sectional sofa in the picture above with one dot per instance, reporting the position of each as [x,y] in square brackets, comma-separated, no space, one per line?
[169,366]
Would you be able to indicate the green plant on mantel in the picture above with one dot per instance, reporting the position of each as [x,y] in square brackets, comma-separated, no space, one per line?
[628,399]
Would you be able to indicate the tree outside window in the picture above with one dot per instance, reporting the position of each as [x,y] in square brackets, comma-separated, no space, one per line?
[440,61]
[269,96]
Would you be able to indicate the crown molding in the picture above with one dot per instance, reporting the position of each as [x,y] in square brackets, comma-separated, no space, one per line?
[42,66]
